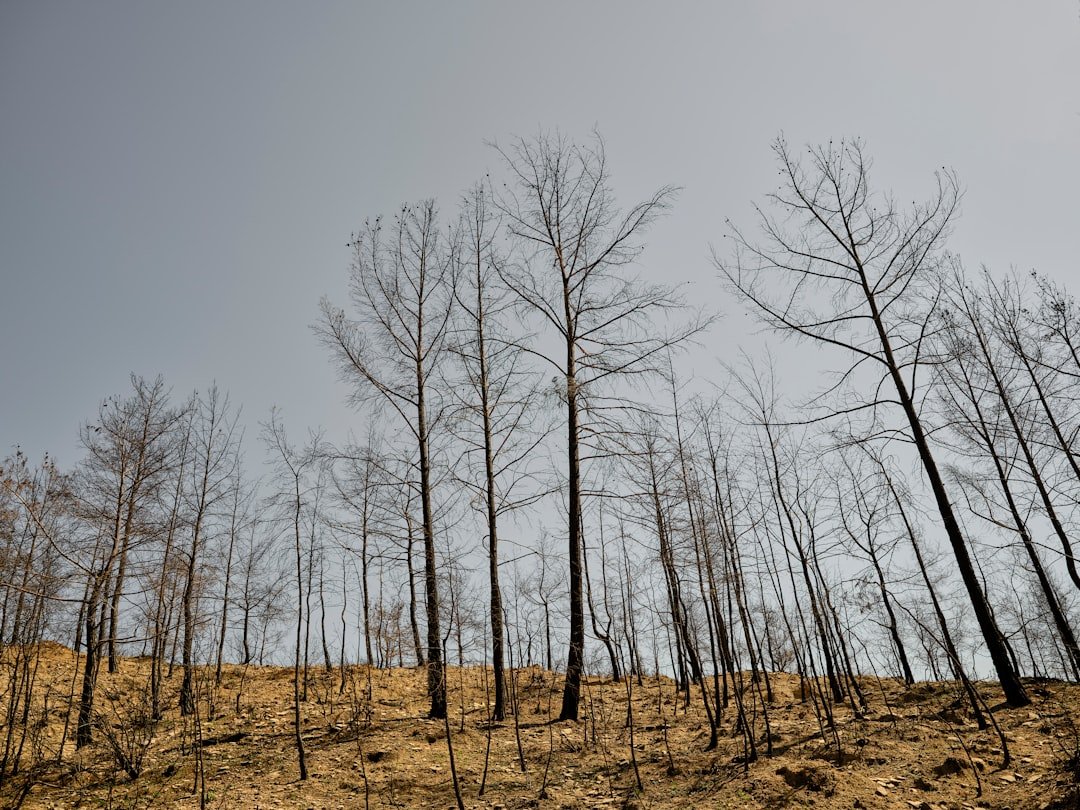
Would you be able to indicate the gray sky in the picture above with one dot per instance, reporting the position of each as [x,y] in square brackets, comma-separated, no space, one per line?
[178,180]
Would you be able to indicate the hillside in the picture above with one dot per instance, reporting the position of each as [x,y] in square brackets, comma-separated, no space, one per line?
[913,748]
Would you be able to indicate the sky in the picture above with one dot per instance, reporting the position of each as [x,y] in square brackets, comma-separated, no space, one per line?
[178,181]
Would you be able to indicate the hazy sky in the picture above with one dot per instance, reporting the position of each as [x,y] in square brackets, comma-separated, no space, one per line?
[178,181]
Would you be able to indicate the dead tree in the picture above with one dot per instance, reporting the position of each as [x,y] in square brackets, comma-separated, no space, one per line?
[843,267]
[164,583]
[402,291]
[864,516]
[294,468]
[239,521]
[151,426]
[1055,393]
[984,411]
[128,455]
[572,247]
[358,487]
[899,497]
[35,514]
[212,475]
[495,418]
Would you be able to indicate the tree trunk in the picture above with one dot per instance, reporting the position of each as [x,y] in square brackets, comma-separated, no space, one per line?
[1014,691]
[575,658]
[436,678]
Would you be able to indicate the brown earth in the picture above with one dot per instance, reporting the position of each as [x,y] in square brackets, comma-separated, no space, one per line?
[913,748]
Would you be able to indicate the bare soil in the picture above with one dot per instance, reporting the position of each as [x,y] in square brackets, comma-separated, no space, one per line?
[913,748]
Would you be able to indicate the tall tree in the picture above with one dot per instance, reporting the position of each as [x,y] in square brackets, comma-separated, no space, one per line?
[150,428]
[843,266]
[127,455]
[863,508]
[495,418]
[293,469]
[988,415]
[573,248]
[357,482]
[240,521]
[402,293]
[214,447]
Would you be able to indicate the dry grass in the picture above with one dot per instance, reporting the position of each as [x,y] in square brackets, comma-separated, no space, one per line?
[913,749]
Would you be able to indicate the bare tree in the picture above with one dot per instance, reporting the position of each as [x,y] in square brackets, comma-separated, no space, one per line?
[402,291]
[212,476]
[495,405]
[844,267]
[257,594]
[128,452]
[358,491]
[573,247]
[151,424]
[864,512]
[1040,378]
[987,413]
[35,510]
[240,520]
[293,470]
[164,582]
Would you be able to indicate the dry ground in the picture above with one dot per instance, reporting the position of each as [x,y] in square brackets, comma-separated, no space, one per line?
[914,749]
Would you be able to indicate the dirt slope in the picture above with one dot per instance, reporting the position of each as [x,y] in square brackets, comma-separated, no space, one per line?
[914,748]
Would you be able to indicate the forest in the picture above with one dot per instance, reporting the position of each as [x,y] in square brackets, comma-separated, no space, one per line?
[540,490]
